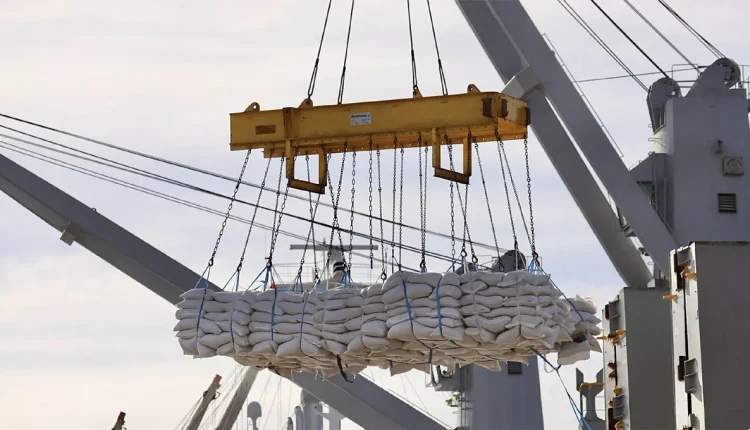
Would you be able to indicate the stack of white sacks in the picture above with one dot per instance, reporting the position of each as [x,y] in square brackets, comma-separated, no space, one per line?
[214,322]
[410,321]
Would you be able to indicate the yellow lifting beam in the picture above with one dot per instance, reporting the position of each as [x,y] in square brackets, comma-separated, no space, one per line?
[409,123]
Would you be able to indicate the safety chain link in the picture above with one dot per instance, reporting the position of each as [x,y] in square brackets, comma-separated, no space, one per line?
[229,209]
[383,274]
[401,209]
[335,222]
[500,152]
[515,192]
[534,255]
[252,220]
[311,231]
[487,199]
[423,263]
[269,261]
[275,234]
[393,206]
[370,202]
[466,232]
[424,214]
[453,215]
[351,218]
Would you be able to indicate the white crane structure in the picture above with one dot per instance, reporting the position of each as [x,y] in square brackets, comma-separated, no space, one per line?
[700,142]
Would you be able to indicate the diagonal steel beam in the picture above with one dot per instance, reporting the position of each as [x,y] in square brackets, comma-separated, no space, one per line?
[528,66]
[168,278]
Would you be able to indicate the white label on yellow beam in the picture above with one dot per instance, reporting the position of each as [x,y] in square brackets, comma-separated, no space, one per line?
[361,118]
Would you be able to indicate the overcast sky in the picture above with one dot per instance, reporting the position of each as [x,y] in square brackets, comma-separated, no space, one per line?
[83,341]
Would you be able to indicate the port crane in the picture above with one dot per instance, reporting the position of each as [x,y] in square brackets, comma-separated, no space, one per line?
[695,192]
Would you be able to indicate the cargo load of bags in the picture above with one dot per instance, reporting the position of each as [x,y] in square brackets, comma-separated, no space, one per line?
[410,321]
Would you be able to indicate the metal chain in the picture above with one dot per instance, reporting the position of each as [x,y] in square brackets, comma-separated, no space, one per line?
[401,209]
[424,214]
[275,234]
[393,206]
[229,209]
[276,206]
[351,218]
[311,231]
[423,263]
[453,216]
[534,255]
[515,192]
[335,201]
[466,232]
[383,275]
[500,151]
[252,220]
[487,198]
[370,201]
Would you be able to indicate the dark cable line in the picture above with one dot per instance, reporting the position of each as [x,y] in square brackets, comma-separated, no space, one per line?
[190,168]
[663,37]
[443,84]
[149,191]
[409,248]
[414,83]
[572,12]
[608,78]
[346,56]
[692,31]
[629,38]
[314,76]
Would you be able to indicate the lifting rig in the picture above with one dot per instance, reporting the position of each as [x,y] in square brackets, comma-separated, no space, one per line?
[685,383]
[389,124]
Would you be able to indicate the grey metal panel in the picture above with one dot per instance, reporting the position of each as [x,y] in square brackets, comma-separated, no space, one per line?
[586,131]
[690,138]
[503,401]
[642,358]
[363,402]
[168,278]
[715,322]
[556,142]
[238,399]
[112,243]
